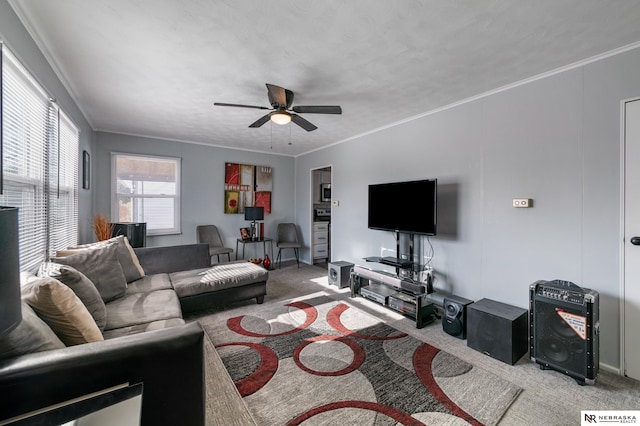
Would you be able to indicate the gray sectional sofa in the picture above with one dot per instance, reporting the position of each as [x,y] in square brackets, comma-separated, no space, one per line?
[137,335]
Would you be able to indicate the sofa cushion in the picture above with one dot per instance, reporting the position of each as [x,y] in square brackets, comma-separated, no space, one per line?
[141,328]
[218,277]
[141,308]
[31,335]
[150,283]
[126,255]
[81,286]
[102,267]
[62,310]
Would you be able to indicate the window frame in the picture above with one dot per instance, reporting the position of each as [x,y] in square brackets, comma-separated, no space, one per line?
[177,201]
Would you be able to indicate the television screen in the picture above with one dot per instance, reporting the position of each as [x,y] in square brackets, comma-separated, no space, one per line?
[408,207]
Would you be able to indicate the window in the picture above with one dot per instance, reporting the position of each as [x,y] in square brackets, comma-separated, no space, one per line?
[63,186]
[39,165]
[146,189]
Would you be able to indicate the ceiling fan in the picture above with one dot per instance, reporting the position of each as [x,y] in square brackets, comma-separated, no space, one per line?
[281,100]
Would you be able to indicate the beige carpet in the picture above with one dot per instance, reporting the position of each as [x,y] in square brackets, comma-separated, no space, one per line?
[548,397]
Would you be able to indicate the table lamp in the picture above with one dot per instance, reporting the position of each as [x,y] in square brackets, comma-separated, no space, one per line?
[253,214]
[10,302]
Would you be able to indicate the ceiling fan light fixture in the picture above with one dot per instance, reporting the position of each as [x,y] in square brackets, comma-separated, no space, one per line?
[280,117]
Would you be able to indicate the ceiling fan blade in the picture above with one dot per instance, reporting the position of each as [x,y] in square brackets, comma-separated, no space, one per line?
[239,105]
[289,95]
[278,96]
[303,123]
[317,109]
[260,121]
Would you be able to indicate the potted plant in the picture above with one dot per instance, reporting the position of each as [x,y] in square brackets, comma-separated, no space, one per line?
[102,227]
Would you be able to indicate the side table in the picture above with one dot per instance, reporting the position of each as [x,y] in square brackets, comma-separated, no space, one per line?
[264,242]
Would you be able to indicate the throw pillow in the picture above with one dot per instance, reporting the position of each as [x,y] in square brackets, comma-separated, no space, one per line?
[126,255]
[62,310]
[31,335]
[81,286]
[25,277]
[102,267]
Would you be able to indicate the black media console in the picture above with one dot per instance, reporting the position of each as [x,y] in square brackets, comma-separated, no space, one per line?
[402,294]
[399,294]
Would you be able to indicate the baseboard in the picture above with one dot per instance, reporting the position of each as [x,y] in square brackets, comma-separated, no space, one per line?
[611,369]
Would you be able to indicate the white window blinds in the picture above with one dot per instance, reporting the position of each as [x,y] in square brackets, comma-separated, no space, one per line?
[32,138]
[63,184]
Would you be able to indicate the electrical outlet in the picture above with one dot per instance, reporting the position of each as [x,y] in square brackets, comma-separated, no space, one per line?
[335,203]
[522,202]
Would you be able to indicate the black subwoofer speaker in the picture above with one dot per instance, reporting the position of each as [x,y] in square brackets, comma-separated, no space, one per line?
[454,317]
[136,232]
[339,273]
[498,330]
[565,328]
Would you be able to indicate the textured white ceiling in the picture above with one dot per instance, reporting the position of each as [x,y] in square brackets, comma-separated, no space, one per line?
[155,67]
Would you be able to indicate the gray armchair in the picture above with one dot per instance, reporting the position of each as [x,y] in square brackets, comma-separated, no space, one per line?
[288,239]
[209,234]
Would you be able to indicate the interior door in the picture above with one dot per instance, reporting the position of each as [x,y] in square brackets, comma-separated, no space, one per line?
[632,239]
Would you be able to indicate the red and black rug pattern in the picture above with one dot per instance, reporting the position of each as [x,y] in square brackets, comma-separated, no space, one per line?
[321,361]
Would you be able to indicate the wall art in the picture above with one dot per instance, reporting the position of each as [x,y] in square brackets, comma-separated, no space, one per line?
[247,185]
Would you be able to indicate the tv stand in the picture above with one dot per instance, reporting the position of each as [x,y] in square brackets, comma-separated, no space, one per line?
[392,290]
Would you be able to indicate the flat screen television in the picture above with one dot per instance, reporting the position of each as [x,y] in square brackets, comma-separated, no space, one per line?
[408,207]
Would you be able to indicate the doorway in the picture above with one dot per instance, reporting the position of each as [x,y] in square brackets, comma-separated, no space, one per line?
[631,239]
[321,189]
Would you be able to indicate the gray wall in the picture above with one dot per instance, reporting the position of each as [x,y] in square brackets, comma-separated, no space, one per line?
[18,40]
[556,140]
[202,188]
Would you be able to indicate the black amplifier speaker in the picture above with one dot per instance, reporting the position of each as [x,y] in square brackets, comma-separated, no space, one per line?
[454,316]
[497,329]
[565,328]
[339,273]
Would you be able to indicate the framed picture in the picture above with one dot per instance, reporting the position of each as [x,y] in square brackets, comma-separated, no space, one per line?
[247,185]
[86,170]
[245,233]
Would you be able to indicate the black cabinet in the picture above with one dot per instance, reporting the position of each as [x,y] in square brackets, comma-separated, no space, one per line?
[136,232]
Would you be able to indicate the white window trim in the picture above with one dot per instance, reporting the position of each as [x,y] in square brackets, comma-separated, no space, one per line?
[176,197]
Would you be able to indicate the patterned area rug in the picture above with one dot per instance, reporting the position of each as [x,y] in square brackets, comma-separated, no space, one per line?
[319,361]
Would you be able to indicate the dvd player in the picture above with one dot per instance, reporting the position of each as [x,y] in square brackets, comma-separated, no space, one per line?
[377,292]
[395,261]
[402,304]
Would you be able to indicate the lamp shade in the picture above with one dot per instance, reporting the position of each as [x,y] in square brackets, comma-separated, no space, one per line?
[254,213]
[10,302]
